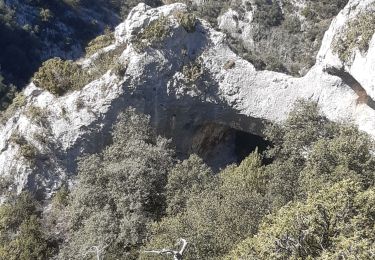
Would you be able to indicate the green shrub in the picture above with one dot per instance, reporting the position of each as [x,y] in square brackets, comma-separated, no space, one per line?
[17,102]
[357,34]
[192,72]
[268,13]
[187,20]
[29,152]
[7,93]
[26,150]
[61,197]
[155,32]
[332,223]
[230,64]
[59,76]
[119,191]
[22,236]
[99,43]
[292,24]
[37,114]
[323,9]
[187,178]
[106,61]
[79,104]
[220,209]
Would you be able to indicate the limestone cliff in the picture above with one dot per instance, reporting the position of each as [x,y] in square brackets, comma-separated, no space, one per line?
[187,81]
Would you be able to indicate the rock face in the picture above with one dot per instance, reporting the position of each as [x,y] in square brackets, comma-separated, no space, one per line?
[360,65]
[186,82]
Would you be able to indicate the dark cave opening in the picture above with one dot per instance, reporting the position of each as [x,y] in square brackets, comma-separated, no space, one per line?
[246,143]
[220,145]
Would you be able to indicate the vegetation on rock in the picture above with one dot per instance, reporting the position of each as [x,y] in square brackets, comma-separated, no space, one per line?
[187,20]
[119,191]
[59,76]
[100,42]
[18,101]
[155,32]
[314,199]
[21,233]
[357,35]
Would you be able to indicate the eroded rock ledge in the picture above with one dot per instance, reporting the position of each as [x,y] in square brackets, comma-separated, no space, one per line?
[227,91]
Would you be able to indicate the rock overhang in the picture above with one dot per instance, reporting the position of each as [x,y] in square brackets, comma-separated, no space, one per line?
[229,92]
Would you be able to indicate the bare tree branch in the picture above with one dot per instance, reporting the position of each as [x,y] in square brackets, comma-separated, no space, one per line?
[97,250]
[177,255]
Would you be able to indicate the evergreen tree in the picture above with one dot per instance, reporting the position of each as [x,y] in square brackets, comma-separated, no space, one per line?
[119,191]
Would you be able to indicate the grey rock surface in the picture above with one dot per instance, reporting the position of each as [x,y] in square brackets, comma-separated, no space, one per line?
[228,92]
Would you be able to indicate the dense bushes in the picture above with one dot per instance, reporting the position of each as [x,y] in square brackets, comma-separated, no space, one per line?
[119,191]
[21,233]
[268,13]
[323,9]
[285,40]
[307,200]
[315,198]
[331,224]
[58,76]
[225,211]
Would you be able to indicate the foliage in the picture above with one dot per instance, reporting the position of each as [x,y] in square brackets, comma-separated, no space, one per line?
[21,234]
[18,102]
[347,155]
[36,114]
[310,153]
[187,20]
[119,190]
[334,222]
[193,71]
[292,24]
[120,69]
[51,27]
[186,179]
[323,9]
[7,93]
[357,34]
[58,76]
[28,151]
[154,33]
[218,217]
[108,60]
[45,15]
[100,42]
[268,13]
[315,199]
[284,40]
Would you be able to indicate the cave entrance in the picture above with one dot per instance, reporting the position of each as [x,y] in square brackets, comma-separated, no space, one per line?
[220,145]
[246,143]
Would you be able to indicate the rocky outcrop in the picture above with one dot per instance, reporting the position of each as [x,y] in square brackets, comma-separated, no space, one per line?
[360,63]
[187,82]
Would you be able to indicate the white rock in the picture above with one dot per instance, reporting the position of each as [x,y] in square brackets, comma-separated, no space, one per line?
[362,65]
[237,96]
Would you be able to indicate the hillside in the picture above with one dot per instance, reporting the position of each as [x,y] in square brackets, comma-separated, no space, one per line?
[158,123]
